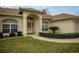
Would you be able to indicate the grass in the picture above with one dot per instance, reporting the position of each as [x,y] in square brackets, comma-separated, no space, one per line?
[30,45]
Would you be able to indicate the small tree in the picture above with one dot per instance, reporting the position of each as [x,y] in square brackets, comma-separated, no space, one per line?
[45,11]
[54,28]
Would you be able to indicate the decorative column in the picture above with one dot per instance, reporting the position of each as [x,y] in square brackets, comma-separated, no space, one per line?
[24,24]
[40,23]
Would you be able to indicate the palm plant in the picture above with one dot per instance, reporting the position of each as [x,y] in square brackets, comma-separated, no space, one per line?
[54,28]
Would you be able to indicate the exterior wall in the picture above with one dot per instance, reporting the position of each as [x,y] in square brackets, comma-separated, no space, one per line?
[66,26]
[18,19]
[22,22]
[76,25]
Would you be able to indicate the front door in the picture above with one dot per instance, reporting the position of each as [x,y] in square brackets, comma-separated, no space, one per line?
[29,27]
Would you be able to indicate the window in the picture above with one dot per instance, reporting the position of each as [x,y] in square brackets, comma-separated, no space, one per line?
[13,28]
[9,26]
[6,28]
[45,26]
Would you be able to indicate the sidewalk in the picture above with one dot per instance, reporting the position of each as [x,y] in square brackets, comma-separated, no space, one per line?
[76,40]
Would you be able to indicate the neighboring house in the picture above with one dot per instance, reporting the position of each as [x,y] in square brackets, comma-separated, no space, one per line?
[32,21]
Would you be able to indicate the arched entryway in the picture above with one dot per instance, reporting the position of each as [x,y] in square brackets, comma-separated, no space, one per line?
[31,23]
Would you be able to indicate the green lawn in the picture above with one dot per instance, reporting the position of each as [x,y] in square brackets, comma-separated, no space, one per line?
[27,44]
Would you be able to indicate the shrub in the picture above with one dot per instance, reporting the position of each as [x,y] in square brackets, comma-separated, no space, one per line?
[19,33]
[46,34]
[12,34]
[54,28]
[1,35]
[64,35]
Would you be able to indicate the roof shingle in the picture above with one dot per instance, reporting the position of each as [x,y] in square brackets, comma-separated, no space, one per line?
[9,11]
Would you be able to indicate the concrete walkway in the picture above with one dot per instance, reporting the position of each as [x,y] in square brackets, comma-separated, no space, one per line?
[76,40]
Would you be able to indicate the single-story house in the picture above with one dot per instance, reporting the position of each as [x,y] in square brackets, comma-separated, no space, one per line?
[32,21]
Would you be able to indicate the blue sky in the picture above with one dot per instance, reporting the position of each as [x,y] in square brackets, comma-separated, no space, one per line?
[54,10]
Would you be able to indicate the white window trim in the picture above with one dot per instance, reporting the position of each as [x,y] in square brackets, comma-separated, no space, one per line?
[44,26]
[10,26]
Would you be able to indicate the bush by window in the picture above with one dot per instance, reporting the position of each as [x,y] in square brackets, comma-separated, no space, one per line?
[19,33]
[12,34]
[1,35]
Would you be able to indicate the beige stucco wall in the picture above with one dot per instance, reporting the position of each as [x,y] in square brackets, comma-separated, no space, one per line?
[76,25]
[22,22]
[66,26]
[18,19]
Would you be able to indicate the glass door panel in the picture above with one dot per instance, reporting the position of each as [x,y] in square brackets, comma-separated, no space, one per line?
[29,27]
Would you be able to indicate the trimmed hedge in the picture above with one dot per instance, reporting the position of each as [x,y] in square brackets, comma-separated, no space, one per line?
[12,34]
[64,35]
[1,35]
[46,34]
[19,33]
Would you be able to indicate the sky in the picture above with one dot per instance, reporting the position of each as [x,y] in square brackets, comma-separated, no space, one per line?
[54,10]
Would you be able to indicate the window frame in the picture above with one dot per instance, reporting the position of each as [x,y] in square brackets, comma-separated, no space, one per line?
[45,25]
[10,26]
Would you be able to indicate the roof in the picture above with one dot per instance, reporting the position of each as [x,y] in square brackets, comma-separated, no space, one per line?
[45,16]
[31,9]
[15,12]
[9,11]
[63,16]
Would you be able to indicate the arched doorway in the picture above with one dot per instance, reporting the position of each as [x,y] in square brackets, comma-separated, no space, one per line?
[9,26]
[31,23]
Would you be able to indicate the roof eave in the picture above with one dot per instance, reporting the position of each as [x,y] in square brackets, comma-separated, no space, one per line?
[37,11]
[76,17]
[10,15]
